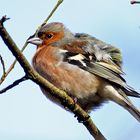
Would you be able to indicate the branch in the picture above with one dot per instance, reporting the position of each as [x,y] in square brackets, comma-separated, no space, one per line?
[4,18]
[57,93]
[15,83]
[11,67]
[50,15]
[135,2]
[3,67]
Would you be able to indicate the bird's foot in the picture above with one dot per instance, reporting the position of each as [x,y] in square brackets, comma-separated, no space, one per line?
[81,119]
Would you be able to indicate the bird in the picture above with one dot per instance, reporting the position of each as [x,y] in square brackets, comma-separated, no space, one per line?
[88,69]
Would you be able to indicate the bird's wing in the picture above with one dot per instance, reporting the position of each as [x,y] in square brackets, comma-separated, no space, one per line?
[101,69]
[87,60]
[103,51]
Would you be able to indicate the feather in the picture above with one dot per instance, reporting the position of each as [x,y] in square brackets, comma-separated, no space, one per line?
[129,106]
[103,51]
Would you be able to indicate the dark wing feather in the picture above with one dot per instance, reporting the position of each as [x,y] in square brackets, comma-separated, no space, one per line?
[104,72]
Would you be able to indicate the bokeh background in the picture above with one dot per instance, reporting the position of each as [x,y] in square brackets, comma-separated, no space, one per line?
[25,113]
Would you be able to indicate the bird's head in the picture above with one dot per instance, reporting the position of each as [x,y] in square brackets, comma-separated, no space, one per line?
[50,34]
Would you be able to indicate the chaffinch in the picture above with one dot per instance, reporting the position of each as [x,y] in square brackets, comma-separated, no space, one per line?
[88,69]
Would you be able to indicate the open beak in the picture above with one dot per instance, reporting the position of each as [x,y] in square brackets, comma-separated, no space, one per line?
[35,41]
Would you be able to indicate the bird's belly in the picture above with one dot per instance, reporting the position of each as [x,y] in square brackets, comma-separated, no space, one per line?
[75,81]
[78,83]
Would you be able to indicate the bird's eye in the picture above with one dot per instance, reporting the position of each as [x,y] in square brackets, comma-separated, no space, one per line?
[49,36]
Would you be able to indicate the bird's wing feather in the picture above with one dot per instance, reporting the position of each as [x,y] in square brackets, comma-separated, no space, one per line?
[109,71]
[104,70]
[103,51]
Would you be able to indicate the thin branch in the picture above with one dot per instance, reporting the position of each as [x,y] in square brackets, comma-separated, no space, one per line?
[4,18]
[50,15]
[15,83]
[54,91]
[3,67]
[135,2]
[11,67]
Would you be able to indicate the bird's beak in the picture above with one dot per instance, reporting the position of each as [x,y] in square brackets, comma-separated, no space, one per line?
[35,41]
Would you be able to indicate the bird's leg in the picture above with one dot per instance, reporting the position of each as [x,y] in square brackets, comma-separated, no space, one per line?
[73,106]
[82,120]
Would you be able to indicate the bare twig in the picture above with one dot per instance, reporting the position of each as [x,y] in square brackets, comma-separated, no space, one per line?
[50,15]
[3,66]
[4,18]
[15,83]
[135,2]
[57,93]
[11,67]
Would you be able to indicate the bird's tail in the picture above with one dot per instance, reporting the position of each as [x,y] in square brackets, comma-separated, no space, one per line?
[133,111]
[128,104]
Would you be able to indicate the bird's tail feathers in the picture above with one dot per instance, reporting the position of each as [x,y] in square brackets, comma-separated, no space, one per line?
[128,104]
[133,111]
[131,92]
